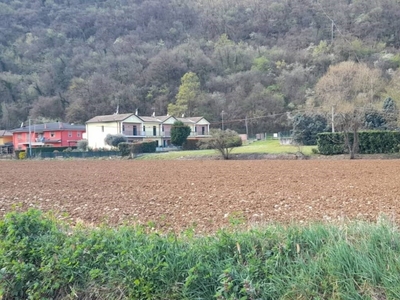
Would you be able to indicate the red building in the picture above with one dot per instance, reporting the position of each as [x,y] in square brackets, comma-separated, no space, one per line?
[54,134]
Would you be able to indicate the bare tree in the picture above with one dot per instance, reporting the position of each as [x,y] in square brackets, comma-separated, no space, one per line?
[348,89]
[223,141]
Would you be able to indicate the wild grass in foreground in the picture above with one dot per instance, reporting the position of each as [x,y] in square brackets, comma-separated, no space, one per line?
[40,258]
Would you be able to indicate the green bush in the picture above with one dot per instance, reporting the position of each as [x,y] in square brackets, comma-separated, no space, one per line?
[114,139]
[306,127]
[149,147]
[330,143]
[127,149]
[191,144]
[82,145]
[49,149]
[179,133]
[370,142]
[379,142]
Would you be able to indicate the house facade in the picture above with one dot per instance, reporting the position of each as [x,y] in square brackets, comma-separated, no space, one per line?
[99,127]
[134,128]
[6,138]
[140,128]
[56,134]
[199,126]
[158,128]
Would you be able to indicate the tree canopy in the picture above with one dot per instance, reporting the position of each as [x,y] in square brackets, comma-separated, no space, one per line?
[223,141]
[179,133]
[74,59]
[347,91]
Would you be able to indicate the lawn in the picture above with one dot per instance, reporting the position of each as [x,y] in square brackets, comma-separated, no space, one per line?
[266,146]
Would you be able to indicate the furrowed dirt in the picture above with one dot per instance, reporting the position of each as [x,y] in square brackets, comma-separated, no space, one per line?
[203,195]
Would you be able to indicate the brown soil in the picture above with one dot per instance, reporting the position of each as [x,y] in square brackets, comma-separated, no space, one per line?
[203,195]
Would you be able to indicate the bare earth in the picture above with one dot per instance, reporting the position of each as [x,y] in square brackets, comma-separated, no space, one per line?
[203,195]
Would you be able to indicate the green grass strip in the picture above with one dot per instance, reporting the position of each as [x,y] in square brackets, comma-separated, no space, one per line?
[42,258]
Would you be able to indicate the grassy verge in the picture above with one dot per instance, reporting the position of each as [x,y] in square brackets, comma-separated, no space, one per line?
[40,258]
[263,147]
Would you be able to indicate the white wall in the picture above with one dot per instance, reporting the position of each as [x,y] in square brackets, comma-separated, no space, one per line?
[96,132]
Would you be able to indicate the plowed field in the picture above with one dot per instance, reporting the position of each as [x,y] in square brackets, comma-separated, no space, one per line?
[203,195]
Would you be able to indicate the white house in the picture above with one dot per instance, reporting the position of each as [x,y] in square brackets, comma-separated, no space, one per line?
[140,128]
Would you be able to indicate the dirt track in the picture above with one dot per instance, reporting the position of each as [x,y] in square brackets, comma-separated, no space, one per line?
[205,195]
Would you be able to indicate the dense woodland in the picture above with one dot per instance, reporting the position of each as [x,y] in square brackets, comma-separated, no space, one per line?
[73,59]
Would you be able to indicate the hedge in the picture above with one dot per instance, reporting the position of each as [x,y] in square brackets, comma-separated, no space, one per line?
[191,144]
[370,142]
[127,149]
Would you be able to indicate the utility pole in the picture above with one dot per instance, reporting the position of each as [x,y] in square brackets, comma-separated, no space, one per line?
[222,116]
[333,118]
[30,141]
[247,127]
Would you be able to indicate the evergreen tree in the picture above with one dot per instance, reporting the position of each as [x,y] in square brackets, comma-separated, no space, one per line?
[179,133]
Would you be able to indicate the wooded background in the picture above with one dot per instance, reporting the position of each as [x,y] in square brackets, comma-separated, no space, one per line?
[71,60]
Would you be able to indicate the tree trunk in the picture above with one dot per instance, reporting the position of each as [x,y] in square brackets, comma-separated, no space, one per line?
[354,147]
[351,154]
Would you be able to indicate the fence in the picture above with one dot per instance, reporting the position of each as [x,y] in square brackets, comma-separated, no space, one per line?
[69,154]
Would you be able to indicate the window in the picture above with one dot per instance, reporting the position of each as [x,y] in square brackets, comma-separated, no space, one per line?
[102,128]
[195,128]
[163,128]
[52,134]
[19,136]
[154,130]
[78,134]
[69,133]
[144,129]
[203,130]
[123,127]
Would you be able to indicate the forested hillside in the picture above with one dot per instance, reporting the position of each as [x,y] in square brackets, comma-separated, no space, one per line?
[73,59]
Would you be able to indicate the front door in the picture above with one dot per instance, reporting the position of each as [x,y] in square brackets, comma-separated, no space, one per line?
[134,130]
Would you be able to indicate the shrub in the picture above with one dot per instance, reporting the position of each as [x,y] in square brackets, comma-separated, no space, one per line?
[144,147]
[114,139]
[370,142]
[125,148]
[82,145]
[222,141]
[191,144]
[306,127]
[314,150]
[135,148]
[330,143]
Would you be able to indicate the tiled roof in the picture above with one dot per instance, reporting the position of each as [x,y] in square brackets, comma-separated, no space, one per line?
[109,118]
[56,126]
[190,119]
[154,119]
[5,133]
